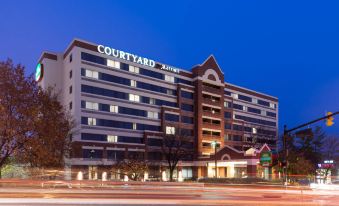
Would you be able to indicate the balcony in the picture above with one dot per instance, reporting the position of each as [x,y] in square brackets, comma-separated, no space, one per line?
[212,90]
[211,102]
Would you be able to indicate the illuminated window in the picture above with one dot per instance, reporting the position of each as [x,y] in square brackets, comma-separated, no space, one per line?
[92,74]
[114,109]
[133,83]
[112,138]
[272,105]
[134,126]
[111,63]
[92,105]
[153,115]
[169,78]
[235,96]
[134,98]
[91,121]
[170,92]
[152,101]
[254,130]
[133,69]
[170,130]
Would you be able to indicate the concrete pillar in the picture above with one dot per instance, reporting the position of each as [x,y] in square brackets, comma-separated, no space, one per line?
[230,171]
[145,176]
[180,178]
[104,176]
[163,175]
[80,176]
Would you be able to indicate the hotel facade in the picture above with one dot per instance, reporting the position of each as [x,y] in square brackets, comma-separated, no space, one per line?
[123,104]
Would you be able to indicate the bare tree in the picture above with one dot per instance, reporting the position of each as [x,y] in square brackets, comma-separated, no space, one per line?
[176,147]
[133,168]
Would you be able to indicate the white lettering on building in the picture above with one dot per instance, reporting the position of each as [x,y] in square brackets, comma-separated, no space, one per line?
[133,58]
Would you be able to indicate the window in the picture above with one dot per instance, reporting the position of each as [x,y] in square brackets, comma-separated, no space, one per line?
[112,138]
[170,92]
[227,115]
[111,63]
[171,117]
[227,104]
[70,106]
[114,108]
[91,121]
[133,83]
[170,130]
[153,115]
[93,58]
[133,69]
[235,96]
[92,74]
[238,106]
[271,114]
[70,58]
[92,105]
[254,130]
[187,107]
[245,98]
[70,89]
[151,100]
[134,126]
[169,78]
[272,105]
[254,110]
[264,103]
[134,98]
[70,74]
[187,95]
[187,120]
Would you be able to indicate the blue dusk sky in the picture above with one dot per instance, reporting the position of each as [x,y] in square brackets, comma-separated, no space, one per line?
[287,49]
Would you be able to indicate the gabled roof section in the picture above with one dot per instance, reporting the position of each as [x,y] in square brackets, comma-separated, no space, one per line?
[212,62]
[209,66]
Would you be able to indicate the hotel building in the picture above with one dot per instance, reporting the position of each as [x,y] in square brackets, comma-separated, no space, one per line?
[123,104]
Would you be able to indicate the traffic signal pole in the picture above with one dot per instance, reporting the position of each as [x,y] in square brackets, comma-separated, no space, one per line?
[286,134]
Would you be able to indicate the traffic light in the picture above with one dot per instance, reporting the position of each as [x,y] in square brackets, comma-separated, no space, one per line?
[329,120]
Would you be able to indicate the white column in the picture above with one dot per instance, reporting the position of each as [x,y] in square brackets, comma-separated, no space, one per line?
[180,178]
[80,176]
[164,178]
[104,176]
[230,171]
[145,176]
[126,178]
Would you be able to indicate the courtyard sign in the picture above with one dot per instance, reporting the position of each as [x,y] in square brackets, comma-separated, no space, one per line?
[266,159]
[134,58]
[39,72]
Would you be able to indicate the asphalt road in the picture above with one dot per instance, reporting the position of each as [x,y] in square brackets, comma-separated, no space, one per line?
[163,194]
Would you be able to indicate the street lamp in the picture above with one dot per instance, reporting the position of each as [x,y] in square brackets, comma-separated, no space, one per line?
[91,154]
[214,144]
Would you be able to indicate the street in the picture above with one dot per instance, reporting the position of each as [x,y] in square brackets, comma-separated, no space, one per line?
[163,194]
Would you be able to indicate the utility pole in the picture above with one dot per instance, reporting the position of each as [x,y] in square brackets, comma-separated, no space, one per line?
[329,118]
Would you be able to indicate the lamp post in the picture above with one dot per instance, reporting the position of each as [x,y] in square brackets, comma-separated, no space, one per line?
[214,144]
[91,154]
